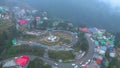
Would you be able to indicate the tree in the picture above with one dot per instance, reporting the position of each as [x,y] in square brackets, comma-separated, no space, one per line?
[62,26]
[117,39]
[107,54]
[38,63]
[114,63]
[64,55]
[0,65]
[82,43]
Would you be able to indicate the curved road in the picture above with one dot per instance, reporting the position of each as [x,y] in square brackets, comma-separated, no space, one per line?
[74,40]
[88,56]
[90,53]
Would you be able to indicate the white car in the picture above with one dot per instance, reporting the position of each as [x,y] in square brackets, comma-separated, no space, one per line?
[80,51]
[83,54]
[89,60]
[73,64]
[30,41]
[76,36]
[86,63]
[83,65]
[56,64]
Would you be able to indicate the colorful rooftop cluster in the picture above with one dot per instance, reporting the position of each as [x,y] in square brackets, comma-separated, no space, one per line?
[103,41]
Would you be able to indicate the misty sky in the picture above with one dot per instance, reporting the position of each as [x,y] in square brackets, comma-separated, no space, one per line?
[112,3]
[99,13]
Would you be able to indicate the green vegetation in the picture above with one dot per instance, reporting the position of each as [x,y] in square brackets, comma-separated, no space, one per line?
[49,43]
[29,37]
[64,40]
[7,33]
[114,63]
[54,43]
[105,63]
[38,63]
[82,43]
[64,55]
[62,26]
[23,49]
[46,24]
[0,65]
[117,39]
[107,54]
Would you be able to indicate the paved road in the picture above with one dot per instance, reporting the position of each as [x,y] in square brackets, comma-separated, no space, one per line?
[58,47]
[88,56]
[90,53]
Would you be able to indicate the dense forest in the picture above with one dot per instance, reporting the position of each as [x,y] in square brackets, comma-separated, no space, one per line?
[6,36]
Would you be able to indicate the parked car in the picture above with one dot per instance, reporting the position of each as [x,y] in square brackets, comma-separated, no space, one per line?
[56,64]
[73,64]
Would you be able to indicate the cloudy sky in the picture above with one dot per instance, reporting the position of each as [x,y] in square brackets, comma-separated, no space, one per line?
[98,13]
[112,3]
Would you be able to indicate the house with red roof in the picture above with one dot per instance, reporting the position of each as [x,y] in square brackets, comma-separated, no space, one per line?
[98,61]
[22,60]
[22,22]
[18,62]
[84,29]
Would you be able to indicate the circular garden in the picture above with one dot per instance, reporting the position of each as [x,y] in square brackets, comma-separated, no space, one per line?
[56,38]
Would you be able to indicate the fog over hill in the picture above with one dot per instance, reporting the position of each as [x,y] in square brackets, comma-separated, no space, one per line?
[96,13]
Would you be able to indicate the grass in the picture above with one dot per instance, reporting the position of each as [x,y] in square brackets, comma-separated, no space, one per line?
[63,35]
[49,43]
[5,26]
[38,63]
[64,55]
[63,38]
[21,50]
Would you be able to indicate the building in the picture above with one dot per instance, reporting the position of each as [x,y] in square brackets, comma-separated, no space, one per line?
[17,62]
[84,29]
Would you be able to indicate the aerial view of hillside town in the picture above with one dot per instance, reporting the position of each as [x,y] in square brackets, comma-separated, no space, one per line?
[31,39]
